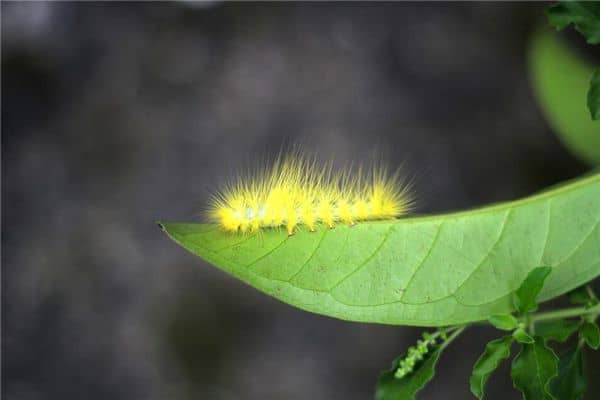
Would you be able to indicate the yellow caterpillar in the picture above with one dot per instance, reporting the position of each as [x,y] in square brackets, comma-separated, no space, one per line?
[298,191]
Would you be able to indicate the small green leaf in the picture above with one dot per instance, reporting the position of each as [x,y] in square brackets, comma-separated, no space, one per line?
[505,322]
[495,351]
[570,383]
[526,294]
[585,16]
[582,295]
[391,388]
[593,97]
[522,336]
[533,368]
[559,330]
[591,334]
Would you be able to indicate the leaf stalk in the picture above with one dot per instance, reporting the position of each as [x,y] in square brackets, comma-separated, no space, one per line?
[565,313]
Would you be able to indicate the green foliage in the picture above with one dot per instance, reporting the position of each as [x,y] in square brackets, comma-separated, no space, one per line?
[391,388]
[585,16]
[582,295]
[521,336]
[533,368]
[593,97]
[428,271]
[570,382]
[495,351]
[416,354]
[536,365]
[591,334]
[505,322]
[411,372]
[526,295]
[561,80]
[558,330]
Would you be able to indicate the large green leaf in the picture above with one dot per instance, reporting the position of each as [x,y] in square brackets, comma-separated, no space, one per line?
[427,271]
[561,81]
[570,382]
[533,369]
[495,352]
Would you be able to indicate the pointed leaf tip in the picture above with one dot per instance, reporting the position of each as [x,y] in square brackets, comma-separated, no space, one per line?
[526,295]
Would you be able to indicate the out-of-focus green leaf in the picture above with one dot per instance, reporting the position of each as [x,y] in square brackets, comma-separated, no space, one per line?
[591,334]
[495,351]
[584,15]
[561,82]
[582,295]
[428,271]
[559,330]
[593,97]
[391,388]
[533,368]
[570,383]
[526,295]
[505,322]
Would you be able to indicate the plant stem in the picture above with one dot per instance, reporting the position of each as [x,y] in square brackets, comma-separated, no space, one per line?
[566,313]
[590,292]
[457,331]
[530,323]
[449,329]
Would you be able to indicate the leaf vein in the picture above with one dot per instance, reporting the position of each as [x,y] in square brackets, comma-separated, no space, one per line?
[489,252]
[549,211]
[366,260]
[586,237]
[311,256]
[431,246]
[268,252]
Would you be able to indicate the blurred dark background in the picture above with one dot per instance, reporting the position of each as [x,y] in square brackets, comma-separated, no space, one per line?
[115,115]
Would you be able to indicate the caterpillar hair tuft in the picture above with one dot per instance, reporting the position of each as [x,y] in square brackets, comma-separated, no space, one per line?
[298,191]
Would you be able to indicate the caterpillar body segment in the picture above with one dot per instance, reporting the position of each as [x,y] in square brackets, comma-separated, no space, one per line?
[297,191]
